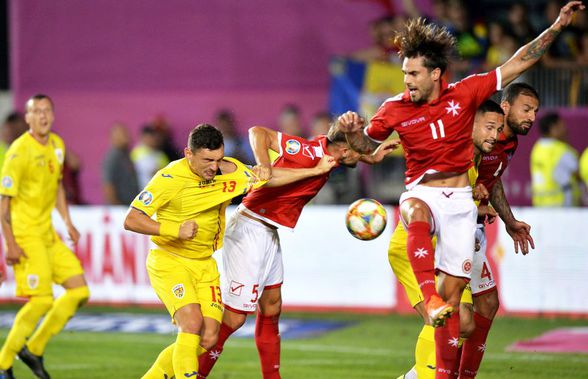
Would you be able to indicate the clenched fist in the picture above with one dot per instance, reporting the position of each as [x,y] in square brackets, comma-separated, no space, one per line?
[188,230]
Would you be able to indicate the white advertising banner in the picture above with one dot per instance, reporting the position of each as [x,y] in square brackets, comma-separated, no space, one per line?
[325,267]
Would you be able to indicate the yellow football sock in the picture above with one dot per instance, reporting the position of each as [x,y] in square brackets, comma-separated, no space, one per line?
[24,323]
[184,356]
[63,309]
[425,353]
[163,366]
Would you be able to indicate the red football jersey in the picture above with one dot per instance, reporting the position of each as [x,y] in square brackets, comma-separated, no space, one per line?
[436,136]
[281,206]
[493,164]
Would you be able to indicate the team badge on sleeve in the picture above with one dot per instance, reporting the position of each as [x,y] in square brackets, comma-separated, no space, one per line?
[146,197]
[7,182]
[178,291]
[292,146]
[59,155]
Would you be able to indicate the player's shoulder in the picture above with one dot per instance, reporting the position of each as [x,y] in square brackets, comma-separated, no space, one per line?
[231,165]
[173,172]
[56,140]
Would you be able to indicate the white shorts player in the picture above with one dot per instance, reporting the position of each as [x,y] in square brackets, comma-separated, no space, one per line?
[252,261]
[454,223]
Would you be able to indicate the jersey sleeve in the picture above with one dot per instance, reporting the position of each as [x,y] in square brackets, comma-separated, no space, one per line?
[381,125]
[14,165]
[481,86]
[158,192]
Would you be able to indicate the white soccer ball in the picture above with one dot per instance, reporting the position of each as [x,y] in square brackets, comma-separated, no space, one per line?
[366,219]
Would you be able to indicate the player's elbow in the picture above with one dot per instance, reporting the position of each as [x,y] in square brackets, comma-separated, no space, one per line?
[130,221]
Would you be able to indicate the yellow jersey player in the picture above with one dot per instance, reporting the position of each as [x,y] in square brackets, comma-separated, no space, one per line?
[189,197]
[31,188]
[488,123]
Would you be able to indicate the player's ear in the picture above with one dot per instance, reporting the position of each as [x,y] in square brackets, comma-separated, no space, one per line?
[187,153]
[505,105]
[436,74]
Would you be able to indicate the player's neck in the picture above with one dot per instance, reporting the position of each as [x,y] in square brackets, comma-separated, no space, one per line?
[435,93]
[508,132]
[42,139]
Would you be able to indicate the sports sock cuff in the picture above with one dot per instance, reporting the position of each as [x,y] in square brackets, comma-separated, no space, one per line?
[188,339]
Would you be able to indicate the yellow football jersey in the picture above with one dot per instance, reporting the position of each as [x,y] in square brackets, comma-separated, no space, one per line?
[175,194]
[31,175]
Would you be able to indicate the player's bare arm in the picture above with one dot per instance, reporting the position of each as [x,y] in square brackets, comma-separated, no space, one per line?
[283,176]
[529,54]
[138,222]
[261,139]
[13,251]
[63,209]
[380,153]
[352,125]
[519,231]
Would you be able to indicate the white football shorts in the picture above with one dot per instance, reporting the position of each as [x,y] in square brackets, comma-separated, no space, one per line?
[454,223]
[482,277]
[252,262]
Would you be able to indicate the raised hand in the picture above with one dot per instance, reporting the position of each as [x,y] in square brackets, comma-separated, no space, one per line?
[384,149]
[188,230]
[350,122]
[326,164]
[566,14]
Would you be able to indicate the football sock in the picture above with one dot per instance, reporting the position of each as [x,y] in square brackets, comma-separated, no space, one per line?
[425,353]
[447,348]
[24,323]
[422,257]
[474,347]
[184,356]
[267,339]
[163,366]
[207,361]
[62,310]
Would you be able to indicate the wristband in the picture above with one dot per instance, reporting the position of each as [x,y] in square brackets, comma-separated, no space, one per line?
[169,229]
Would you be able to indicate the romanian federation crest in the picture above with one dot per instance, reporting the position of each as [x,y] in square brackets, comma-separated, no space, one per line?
[178,291]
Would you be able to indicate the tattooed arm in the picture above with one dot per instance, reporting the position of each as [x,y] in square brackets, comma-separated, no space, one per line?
[529,54]
[519,231]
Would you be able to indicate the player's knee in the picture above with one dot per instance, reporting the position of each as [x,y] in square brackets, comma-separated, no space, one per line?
[233,320]
[208,339]
[489,305]
[415,210]
[271,306]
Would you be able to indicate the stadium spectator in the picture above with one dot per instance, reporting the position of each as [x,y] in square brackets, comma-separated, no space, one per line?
[501,46]
[236,145]
[382,49]
[519,24]
[119,178]
[31,188]
[166,138]
[147,155]
[13,127]
[72,167]
[554,166]
[290,121]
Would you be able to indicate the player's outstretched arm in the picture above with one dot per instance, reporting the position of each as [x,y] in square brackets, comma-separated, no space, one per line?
[261,140]
[529,54]
[352,125]
[380,153]
[283,176]
[138,222]
[519,231]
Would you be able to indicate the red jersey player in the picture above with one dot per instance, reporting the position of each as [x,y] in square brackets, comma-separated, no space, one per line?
[252,256]
[520,103]
[434,121]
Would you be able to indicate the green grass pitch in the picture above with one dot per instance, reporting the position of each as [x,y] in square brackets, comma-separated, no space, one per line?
[376,346]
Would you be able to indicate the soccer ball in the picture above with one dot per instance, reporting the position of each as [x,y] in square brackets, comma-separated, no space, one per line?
[366,219]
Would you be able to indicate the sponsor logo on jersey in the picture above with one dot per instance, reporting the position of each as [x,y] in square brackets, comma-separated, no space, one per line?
[412,122]
[59,155]
[489,157]
[7,182]
[33,281]
[146,197]
[467,266]
[292,146]
[236,288]
[166,176]
[178,291]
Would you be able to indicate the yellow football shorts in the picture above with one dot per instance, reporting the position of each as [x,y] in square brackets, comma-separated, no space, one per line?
[47,262]
[179,281]
[400,264]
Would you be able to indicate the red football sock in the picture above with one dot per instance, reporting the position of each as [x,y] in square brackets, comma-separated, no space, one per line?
[267,339]
[422,257]
[207,360]
[447,348]
[474,348]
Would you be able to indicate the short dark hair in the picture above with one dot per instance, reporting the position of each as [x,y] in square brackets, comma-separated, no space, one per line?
[421,39]
[514,90]
[490,106]
[547,122]
[39,96]
[205,136]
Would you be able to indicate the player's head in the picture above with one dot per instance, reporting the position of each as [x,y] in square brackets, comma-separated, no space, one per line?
[339,148]
[553,126]
[425,50]
[488,124]
[39,115]
[520,103]
[205,150]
